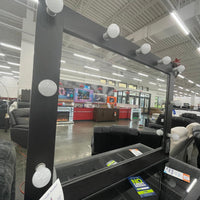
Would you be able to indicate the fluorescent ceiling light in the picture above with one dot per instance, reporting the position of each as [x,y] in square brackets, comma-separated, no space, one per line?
[15,64]
[180,76]
[15,72]
[152,83]
[197,85]
[141,74]
[118,74]
[180,92]
[198,49]
[63,61]
[190,81]
[136,79]
[8,73]
[192,91]
[162,90]
[187,90]
[174,85]
[5,67]
[197,93]
[2,54]
[180,22]
[185,93]
[118,67]
[95,69]
[180,87]
[158,79]
[88,74]
[10,46]
[16,76]
[175,90]
[84,57]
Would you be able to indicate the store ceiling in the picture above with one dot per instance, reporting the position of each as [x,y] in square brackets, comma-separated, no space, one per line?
[134,17]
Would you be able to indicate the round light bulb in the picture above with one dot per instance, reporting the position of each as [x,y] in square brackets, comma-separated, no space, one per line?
[181,68]
[54,7]
[145,48]
[166,60]
[47,88]
[42,176]
[113,31]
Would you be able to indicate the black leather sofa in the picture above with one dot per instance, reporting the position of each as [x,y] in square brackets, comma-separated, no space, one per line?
[19,120]
[183,120]
[114,137]
[3,111]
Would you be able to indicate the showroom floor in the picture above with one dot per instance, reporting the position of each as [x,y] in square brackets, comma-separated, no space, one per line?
[72,142]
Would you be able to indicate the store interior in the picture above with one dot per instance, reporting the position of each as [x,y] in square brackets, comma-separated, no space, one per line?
[103,98]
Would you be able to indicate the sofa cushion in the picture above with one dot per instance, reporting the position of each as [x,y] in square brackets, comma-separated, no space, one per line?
[123,129]
[21,116]
[180,131]
[189,115]
[22,126]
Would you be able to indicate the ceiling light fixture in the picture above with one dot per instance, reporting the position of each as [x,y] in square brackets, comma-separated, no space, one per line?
[165,60]
[5,67]
[161,80]
[162,90]
[180,22]
[15,64]
[141,74]
[180,76]
[190,81]
[84,57]
[16,76]
[95,69]
[63,61]
[192,91]
[152,83]
[88,74]
[8,73]
[10,46]
[198,49]
[112,31]
[187,90]
[2,54]
[15,72]
[144,49]
[118,67]
[115,74]
[180,87]
[175,91]
[197,85]
[136,79]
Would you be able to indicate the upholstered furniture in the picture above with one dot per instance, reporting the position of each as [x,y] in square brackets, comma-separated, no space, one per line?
[7,171]
[19,119]
[176,121]
[114,137]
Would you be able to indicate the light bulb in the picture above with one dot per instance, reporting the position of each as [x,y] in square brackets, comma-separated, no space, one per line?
[54,7]
[113,31]
[165,60]
[144,49]
[180,69]
[42,176]
[47,88]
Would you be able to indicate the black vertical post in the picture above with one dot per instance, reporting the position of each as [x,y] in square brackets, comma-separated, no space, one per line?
[43,112]
[168,111]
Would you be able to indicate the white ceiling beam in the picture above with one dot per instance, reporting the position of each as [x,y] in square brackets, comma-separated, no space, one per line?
[185,13]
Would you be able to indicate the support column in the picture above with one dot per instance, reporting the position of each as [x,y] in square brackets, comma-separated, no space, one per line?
[27,52]
[193,99]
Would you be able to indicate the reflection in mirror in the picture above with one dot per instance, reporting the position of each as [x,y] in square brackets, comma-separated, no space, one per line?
[101,93]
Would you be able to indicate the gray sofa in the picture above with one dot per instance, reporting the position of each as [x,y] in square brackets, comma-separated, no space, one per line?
[19,121]
[7,171]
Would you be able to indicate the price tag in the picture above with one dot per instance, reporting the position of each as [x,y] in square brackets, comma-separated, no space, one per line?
[136,152]
[55,192]
[110,163]
[141,187]
[177,174]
